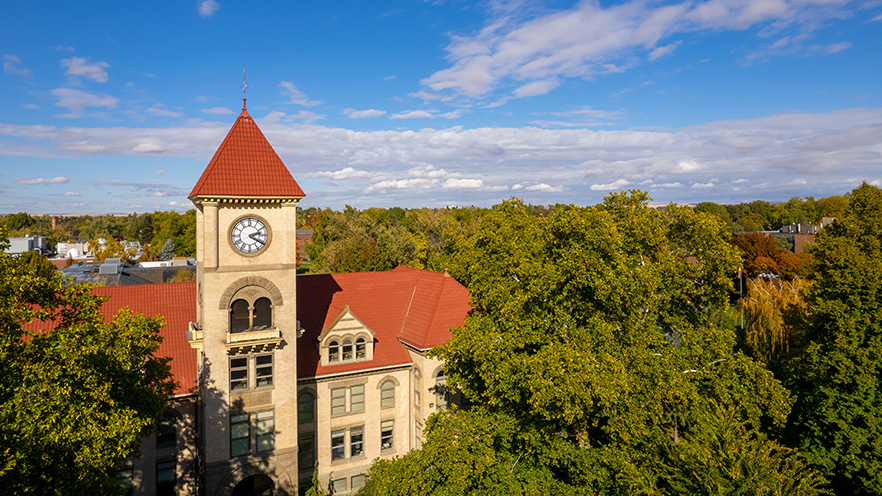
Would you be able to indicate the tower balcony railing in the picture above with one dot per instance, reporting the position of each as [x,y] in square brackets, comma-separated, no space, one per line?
[253,341]
[239,343]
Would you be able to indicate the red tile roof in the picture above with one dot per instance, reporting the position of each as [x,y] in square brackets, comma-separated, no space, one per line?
[176,302]
[397,305]
[404,305]
[246,165]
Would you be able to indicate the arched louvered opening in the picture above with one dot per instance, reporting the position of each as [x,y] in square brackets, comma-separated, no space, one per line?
[263,314]
[240,318]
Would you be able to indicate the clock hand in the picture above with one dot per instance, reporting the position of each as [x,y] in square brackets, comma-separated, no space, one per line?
[254,236]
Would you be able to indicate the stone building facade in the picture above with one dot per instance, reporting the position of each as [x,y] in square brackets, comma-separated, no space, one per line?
[281,375]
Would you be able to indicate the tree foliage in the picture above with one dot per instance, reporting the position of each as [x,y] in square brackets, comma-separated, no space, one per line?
[590,350]
[837,420]
[75,400]
[774,311]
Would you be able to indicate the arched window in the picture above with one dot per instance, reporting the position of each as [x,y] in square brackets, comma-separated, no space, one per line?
[347,350]
[360,349]
[442,392]
[387,394]
[334,351]
[240,317]
[263,313]
[306,406]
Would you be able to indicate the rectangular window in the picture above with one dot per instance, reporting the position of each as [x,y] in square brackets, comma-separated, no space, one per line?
[387,429]
[356,441]
[356,398]
[338,401]
[264,370]
[266,430]
[238,373]
[357,481]
[337,445]
[240,435]
[338,486]
[165,478]
[124,479]
[306,452]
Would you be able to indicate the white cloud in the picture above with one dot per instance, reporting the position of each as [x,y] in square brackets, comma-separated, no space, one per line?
[710,184]
[361,114]
[12,65]
[663,50]
[454,183]
[207,8]
[217,111]
[148,147]
[76,101]
[546,188]
[592,38]
[296,96]
[31,106]
[160,172]
[413,114]
[78,66]
[71,193]
[39,180]
[536,88]
[344,173]
[617,184]
[587,111]
[158,111]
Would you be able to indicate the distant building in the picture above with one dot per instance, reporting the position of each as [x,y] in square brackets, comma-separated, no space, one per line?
[21,244]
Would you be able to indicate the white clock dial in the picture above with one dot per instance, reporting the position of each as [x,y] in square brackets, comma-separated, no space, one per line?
[249,235]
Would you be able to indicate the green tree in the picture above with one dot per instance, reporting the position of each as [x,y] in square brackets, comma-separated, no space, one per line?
[590,349]
[167,252]
[837,419]
[40,264]
[74,400]
[774,311]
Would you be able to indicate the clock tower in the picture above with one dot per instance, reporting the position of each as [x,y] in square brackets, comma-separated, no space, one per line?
[246,326]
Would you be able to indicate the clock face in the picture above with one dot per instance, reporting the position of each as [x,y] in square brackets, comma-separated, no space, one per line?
[249,235]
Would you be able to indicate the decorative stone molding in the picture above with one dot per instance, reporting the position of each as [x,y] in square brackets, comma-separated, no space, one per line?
[273,291]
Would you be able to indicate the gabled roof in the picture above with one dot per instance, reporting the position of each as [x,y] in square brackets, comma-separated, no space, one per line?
[343,323]
[397,305]
[245,165]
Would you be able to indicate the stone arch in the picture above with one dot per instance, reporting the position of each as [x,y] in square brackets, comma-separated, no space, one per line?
[272,290]
[279,476]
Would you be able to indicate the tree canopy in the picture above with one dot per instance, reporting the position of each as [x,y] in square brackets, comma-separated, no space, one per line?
[76,399]
[591,360]
[837,419]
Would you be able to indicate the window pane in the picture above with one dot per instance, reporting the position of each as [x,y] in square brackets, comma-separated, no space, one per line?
[357,481]
[337,442]
[360,349]
[305,406]
[387,434]
[167,435]
[263,313]
[338,485]
[356,441]
[356,398]
[387,394]
[265,428]
[238,373]
[240,438]
[264,370]
[124,479]
[306,451]
[338,401]
[347,350]
[165,478]
[239,318]
[333,351]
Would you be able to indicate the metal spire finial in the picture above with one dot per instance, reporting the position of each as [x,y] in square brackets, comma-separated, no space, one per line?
[244,87]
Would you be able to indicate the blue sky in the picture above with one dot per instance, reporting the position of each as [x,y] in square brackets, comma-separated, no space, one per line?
[117,107]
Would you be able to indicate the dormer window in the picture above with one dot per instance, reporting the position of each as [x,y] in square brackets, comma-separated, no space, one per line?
[347,350]
[346,340]
[360,353]
[334,351]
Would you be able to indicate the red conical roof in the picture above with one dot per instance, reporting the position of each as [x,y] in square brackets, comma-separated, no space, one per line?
[246,165]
